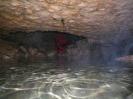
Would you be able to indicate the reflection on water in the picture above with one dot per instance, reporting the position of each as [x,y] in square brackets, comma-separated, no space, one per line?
[40,81]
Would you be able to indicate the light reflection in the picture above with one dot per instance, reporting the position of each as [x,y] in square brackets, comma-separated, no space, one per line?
[68,85]
[81,88]
[43,95]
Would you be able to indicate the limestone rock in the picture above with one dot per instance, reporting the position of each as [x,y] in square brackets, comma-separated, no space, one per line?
[100,18]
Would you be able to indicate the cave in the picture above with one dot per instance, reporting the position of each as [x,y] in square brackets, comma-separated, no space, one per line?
[39,45]
[66,49]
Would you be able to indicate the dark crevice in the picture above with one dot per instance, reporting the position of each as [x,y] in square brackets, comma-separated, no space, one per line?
[20,36]
[40,43]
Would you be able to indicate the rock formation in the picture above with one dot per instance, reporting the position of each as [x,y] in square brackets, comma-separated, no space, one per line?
[104,21]
[91,18]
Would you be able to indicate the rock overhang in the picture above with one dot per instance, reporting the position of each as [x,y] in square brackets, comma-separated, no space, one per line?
[89,18]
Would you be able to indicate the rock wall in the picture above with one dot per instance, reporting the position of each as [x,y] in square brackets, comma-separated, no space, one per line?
[109,22]
[87,52]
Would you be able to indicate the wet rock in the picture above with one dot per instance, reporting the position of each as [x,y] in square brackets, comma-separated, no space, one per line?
[8,51]
[86,52]
[35,54]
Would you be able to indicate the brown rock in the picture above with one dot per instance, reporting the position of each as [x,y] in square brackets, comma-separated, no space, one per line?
[36,55]
[81,17]
[7,51]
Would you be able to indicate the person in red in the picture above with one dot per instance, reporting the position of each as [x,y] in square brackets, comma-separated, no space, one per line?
[61,43]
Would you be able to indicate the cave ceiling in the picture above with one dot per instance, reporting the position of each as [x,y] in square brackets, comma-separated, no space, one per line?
[90,18]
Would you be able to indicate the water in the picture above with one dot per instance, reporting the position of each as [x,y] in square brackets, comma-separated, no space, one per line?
[47,81]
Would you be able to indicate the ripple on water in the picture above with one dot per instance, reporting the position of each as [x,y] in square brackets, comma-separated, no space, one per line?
[55,84]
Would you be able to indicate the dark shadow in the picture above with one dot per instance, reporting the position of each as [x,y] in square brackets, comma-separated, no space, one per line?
[45,43]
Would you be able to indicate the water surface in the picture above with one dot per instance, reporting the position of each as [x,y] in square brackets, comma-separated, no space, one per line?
[47,81]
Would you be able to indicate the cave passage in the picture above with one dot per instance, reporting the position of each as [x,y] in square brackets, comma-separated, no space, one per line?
[59,47]
[86,54]
[58,65]
[40,44]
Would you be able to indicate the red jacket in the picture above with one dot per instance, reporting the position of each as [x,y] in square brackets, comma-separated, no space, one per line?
[61,43]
